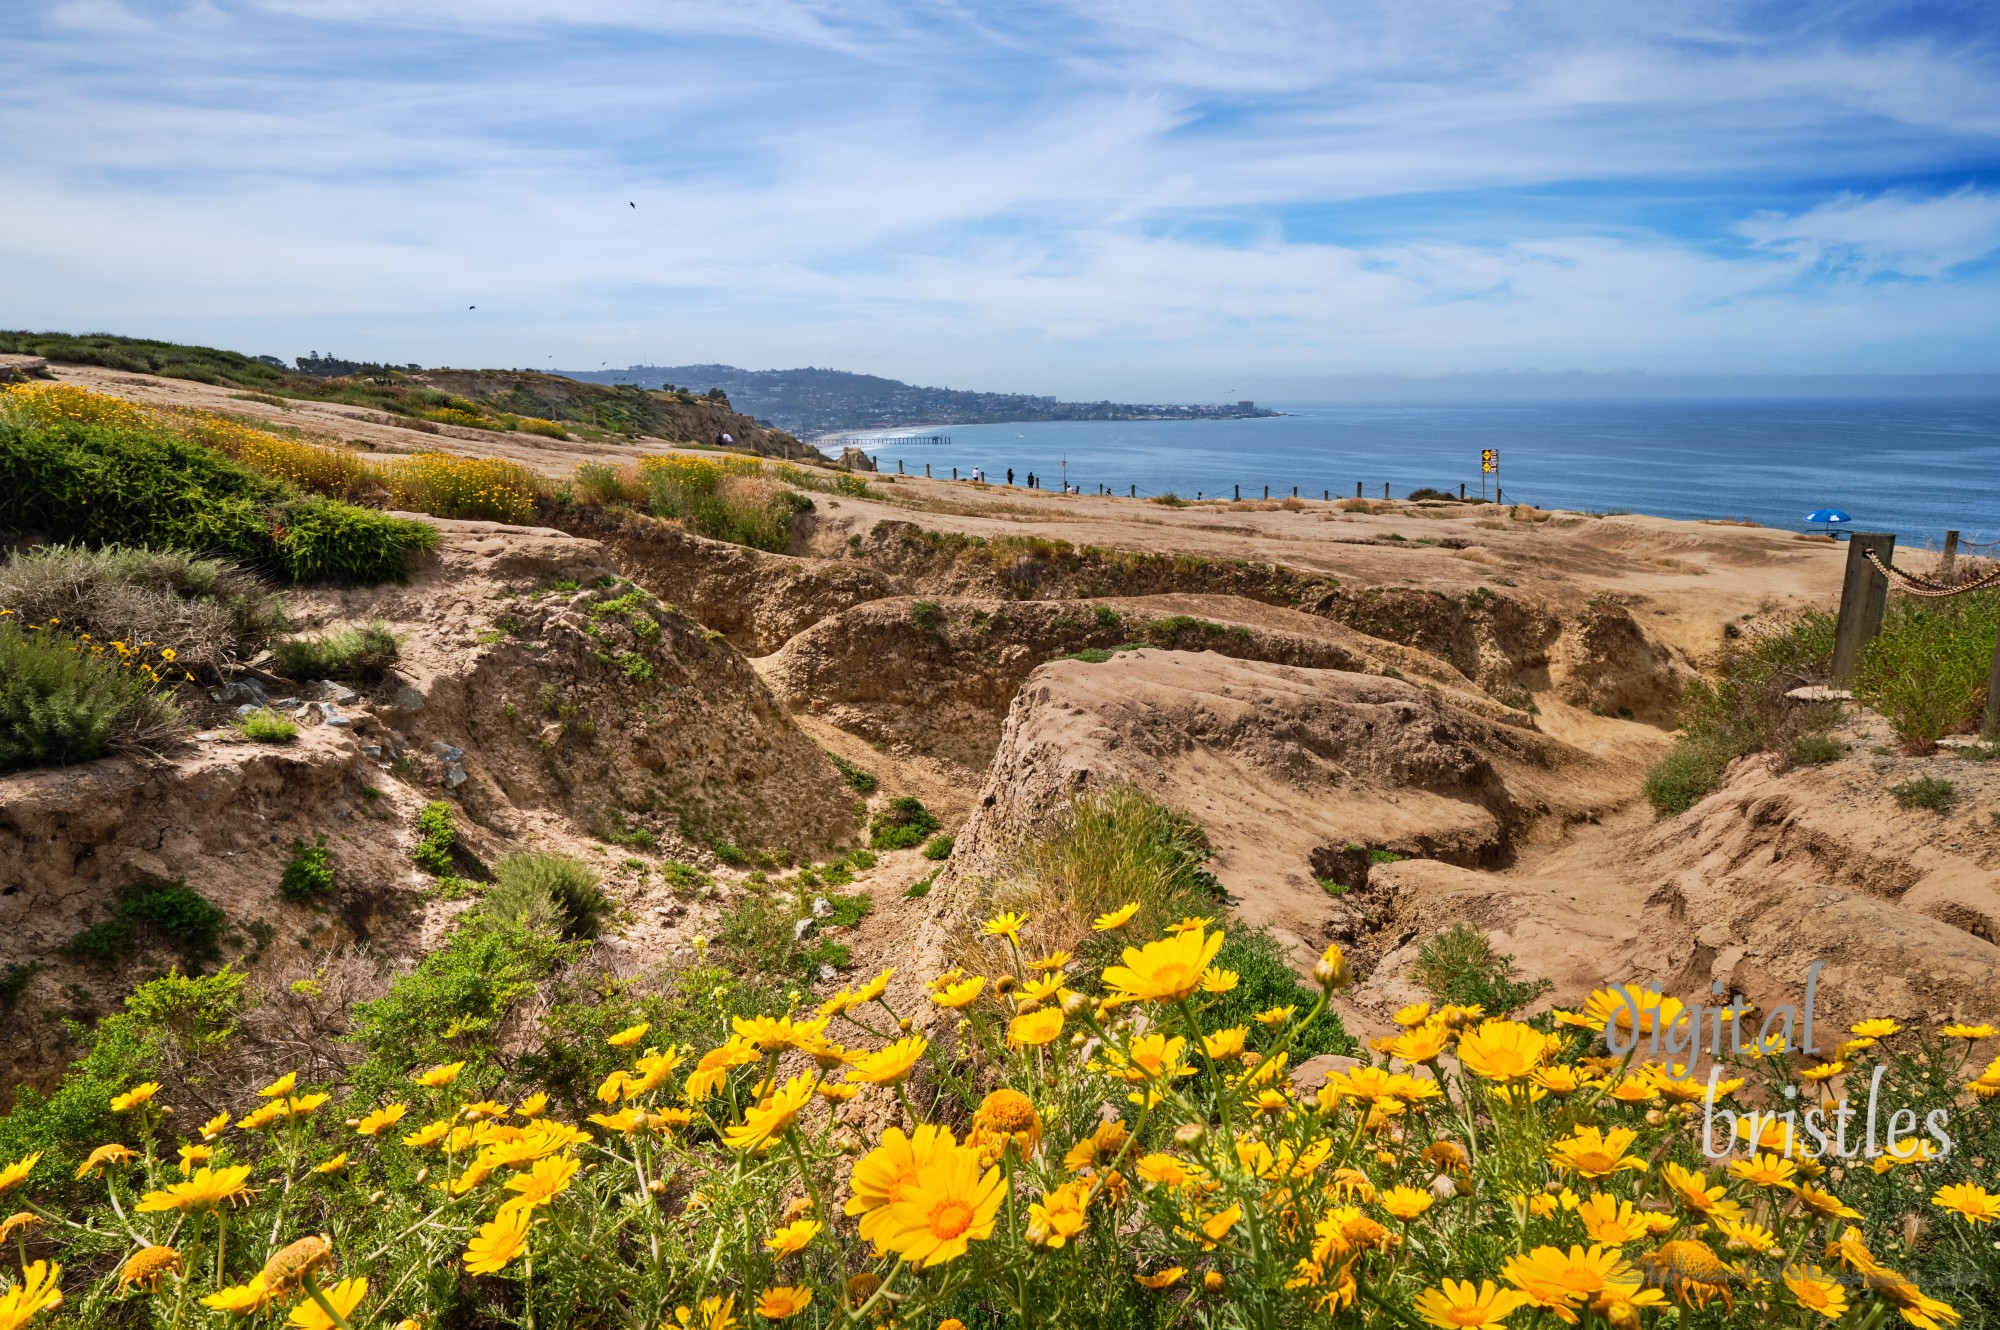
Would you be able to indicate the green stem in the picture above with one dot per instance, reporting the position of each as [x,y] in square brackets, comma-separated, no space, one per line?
[312,1291]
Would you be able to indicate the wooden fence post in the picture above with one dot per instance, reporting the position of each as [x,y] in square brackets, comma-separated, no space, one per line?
[1357,489]
[1385,489]
[1864,594]
[1990,731]
[1950,556]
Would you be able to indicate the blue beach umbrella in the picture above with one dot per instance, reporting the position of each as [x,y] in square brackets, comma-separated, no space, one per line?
[1829,518]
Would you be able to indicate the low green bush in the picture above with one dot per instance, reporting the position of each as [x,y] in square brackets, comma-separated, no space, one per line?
[103,484]
[1938,795]
[61,703]
[1265,979]
[451,1006]
[550,892]
[1811,750]
[862,781]
[356,655]
[1459,966]
[209,612]
[903,824]
[148,914]
[927,615]
[761,935]
[14,981]
[308,877]
[1926,670]
[437,834]
[1744,709]
[684,877]
[938,847]
[268,727]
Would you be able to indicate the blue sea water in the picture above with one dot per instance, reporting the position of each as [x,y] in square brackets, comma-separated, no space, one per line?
[1912,467]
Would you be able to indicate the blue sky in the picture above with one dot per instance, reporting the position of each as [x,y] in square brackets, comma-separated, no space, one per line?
[1148,198]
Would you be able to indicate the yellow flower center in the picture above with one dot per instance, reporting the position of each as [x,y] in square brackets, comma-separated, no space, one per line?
[949,1218]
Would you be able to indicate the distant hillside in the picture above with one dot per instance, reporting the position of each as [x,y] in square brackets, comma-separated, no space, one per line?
[499,399]
[809,401]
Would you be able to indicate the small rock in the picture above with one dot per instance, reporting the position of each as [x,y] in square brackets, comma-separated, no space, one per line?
[828,972]
[406,698]
[822,907]
[445,752]
[454,775]
[247,709]
[1820,693]
[802,927]
[283,703]
[327,690]
[372,750]
[239,690]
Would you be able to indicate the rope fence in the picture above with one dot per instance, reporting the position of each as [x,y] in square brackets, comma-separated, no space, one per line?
[1915,585]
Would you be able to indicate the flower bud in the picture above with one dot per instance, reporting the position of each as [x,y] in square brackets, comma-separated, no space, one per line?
[1462,1185]
[1189,1134]
[1655,1118]
[905,1025]
[1332,972]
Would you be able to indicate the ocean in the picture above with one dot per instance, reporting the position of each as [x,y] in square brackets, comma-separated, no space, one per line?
[1912,467]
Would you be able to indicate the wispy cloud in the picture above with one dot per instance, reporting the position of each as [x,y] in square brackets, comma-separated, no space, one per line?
[1058,196]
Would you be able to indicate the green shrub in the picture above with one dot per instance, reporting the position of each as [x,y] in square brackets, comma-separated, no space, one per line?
[1106,616]
[357,655]
[550,892]
[208,611]
[927,614]
[114,484]
[149,914]
[451,1006]
[1940,796]
[921,887]
[904,823]
[326,540]
[1266,980]
[14,980]
[1689,773]
[308,878]
[1926,670]
[729,501]
[1810,750]
[1112,847]
[268,727]
[683,877]
[760,935]
[437,834]
[1459,965]
[59,704]
[65,1123]
[862,781]
[1745,710]
[938,847]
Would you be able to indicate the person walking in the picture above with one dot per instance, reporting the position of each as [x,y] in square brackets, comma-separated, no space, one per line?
[1010,475]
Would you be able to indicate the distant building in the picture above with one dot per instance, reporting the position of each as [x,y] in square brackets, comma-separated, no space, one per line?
[1246,405]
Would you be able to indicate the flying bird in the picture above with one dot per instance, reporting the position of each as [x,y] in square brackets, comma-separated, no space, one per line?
[472,307]
[631,205]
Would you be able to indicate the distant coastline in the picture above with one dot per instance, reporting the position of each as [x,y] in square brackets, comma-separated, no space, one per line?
[816,403]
